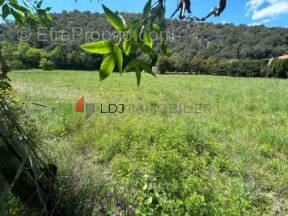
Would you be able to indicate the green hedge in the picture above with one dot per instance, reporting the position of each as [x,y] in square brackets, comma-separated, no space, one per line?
[278,68]
[22,56]
[214,66]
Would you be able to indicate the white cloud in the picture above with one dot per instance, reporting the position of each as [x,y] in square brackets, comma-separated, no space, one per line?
[254,4]
[266,9]
[255,24]
[260,22]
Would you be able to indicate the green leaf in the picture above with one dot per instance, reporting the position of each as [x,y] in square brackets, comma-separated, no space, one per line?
[138,76]
[118,58]
[131,65]
[123,19]
[148,50]
[17,16]
[164,48]
[5,11]
[140,64]
[155,27]
[127,45]
[136,34]
[147,7]
[163,44]
[134,24]
[147,68]
[1,2]
[5,85]
[99,47]
[134,46]
[114,19]
[21,8]
[39,4]
[147,39]
[107,67]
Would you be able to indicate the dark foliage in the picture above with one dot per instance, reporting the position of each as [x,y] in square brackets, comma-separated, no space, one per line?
[278,68]
[202,48]
[221,40]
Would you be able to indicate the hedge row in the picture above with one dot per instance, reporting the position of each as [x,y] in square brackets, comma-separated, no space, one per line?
[214,66]
[23,56]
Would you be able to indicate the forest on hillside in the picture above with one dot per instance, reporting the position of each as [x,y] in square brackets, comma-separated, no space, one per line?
[191,46]
[207,39]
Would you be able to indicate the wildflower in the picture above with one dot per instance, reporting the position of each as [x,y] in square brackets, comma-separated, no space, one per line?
[131,209]
[103,205]
[120,204]
[109,195]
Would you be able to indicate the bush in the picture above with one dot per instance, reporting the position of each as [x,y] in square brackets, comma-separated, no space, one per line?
[76,60]
[183,63]
[46,64]
[238,68]
[199,64]
[247,68]
[16,65]
[278,68]
[33,57]
[57,57]
[220,68]
[165,64]
[8,50]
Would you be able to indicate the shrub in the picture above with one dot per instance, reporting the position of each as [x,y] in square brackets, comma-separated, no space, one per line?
[20,53]
[246,68]
[165,64]
[33,57]
[16,65]
[199,64]
[278,68]
[57,57]
[183,63]
[76,60]
[8,49]
[238,68]
[46,64]
[221,68]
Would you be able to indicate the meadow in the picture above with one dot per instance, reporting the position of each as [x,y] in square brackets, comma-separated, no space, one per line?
[230,160]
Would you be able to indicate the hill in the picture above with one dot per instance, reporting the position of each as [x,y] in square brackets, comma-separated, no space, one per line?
[187,39]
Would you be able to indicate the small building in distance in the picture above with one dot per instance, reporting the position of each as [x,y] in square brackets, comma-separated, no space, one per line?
[280,57]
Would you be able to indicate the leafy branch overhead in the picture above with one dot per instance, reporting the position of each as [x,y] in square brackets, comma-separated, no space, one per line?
[132,38]
[136,36]
[25,12]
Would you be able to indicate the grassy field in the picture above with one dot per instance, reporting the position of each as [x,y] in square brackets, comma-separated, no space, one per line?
[232,160]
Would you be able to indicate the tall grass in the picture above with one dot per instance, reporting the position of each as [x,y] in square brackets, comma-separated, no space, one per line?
[230,161]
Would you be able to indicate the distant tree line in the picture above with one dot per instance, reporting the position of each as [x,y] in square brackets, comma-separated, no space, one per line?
[203,48]
[23,56]
[206,39]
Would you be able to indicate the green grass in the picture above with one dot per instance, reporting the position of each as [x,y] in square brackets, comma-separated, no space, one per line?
[231,161]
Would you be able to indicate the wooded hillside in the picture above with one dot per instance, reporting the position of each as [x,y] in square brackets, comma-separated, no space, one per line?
[206,39]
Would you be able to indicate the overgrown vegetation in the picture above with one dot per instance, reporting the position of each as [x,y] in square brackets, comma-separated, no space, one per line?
[216,66]
[231,161]
[225,41]
[194,48]
[278,68]
[23,56]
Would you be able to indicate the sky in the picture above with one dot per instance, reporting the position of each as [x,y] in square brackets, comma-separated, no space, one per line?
[250,12]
